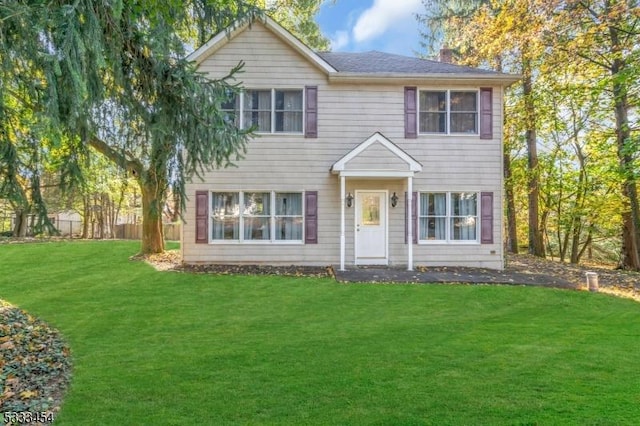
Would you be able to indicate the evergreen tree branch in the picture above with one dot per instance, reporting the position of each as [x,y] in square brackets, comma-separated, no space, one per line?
[132,165]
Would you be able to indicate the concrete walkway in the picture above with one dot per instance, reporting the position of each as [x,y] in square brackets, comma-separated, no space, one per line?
[371,274]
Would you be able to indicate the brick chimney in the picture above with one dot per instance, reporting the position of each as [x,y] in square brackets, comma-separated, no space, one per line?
[446,55]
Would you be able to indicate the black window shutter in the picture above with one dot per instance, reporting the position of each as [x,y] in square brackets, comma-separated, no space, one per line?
[311,217]
[202,217]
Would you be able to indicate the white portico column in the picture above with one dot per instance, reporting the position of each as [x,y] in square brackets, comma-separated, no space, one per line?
[342,237]
[410,222]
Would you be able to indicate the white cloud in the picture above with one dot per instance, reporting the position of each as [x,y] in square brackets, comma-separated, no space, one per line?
[382,15]
[339,40]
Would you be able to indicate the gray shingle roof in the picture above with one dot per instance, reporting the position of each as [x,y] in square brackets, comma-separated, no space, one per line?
[380,62]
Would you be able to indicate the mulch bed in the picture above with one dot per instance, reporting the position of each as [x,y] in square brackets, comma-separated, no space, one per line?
[35,365]
[291,270]
[170,261]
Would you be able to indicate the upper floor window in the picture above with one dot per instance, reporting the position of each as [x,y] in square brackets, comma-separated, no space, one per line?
[267,110]
[257,110]
[448,111]
[288,111]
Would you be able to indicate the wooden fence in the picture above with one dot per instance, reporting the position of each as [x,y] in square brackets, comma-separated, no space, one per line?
[134,232]
[73,229]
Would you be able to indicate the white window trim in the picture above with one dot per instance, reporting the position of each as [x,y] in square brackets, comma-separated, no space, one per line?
[272,217]
[244,216]
[448,217]
[448,133]
[273,110]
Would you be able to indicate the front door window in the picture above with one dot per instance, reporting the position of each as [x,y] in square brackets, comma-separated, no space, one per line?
[370,210]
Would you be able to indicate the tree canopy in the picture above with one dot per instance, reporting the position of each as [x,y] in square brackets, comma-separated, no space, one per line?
[112,76]
[575,109]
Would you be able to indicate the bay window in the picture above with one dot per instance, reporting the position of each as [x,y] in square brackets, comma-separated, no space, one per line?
[448,216]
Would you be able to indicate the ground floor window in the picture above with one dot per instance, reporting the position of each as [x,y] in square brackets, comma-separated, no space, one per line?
[448,216]
[288,216]
[257,216]
[226,215]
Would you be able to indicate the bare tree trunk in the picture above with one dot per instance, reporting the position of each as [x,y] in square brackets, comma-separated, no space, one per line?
[578,206]
[563,241]
[586,245]
[576,233]
[630,215]
[512,231]
[536,245]
[104,214]
[152,232]
[544,235]
[21,227]
[561,231]
[108,208]
[86,216]
[116,214]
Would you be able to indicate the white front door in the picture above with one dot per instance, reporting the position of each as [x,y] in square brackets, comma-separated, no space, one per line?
[371,228]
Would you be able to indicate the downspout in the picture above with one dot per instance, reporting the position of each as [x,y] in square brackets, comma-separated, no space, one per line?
[410,223]
[342,215]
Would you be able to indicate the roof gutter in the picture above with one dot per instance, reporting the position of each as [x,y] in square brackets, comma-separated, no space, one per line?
[382,78]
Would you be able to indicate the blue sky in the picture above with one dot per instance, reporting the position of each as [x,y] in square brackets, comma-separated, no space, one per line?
[362,25]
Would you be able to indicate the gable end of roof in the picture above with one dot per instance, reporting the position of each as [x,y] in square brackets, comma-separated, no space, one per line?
[224,37]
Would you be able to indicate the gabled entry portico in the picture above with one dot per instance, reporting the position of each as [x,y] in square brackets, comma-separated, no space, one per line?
[375,159]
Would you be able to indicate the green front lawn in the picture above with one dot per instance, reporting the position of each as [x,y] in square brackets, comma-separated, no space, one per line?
[172,348]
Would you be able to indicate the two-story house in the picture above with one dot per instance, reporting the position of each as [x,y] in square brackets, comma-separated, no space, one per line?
[360,159]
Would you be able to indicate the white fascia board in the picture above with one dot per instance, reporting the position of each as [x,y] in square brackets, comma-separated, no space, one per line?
[216,42]
[374,173]
[298,45]
[378,137]
[382,78]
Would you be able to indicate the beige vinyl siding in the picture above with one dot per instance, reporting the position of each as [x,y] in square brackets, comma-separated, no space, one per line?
[376,157]
[348,114]
[265,56]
